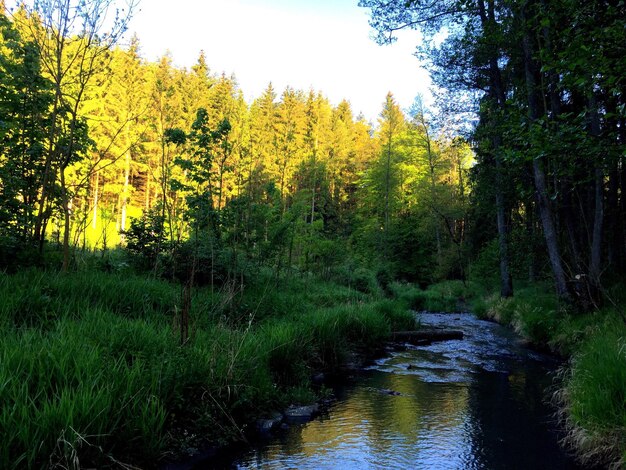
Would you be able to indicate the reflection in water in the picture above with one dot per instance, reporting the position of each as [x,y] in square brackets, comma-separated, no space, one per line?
[474,403]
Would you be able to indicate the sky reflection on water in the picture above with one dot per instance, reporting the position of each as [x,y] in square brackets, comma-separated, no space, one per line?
[476,403]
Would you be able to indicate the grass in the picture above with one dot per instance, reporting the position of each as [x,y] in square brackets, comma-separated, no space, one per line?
[63,386]
[592,394]
[447,296]
[92,370]
[35,298]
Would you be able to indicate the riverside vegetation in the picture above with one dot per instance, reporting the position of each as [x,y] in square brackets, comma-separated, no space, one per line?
[93,369]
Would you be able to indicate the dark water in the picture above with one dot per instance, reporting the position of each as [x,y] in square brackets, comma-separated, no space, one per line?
[476,403]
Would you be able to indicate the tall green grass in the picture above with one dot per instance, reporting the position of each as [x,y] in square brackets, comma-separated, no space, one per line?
[593,395]
[92,369]
[64,387]
[447,296]
[33,298]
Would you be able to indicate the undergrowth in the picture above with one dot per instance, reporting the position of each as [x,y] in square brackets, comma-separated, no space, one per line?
[447,296]
[593,396]
[93,371]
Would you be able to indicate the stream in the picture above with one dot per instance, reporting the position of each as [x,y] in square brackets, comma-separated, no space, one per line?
[475,403]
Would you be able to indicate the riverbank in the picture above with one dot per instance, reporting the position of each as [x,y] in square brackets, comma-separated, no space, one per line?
[591,393]
[100,369]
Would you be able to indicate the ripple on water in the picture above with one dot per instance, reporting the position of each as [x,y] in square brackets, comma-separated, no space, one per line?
[475,403]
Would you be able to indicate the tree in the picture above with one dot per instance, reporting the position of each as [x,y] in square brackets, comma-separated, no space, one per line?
[460,62]
[547,83]
[117,110]
[72,40]
[25,99]
[391,125]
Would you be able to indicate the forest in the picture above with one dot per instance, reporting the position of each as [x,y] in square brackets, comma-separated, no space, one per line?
[177,260]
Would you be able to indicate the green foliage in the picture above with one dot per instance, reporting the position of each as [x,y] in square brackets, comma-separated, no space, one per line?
[145,239]
[485,267]
[411,295]
[448,296]
[356,277]
[365,281]
[16,253]
[208,260]
[533,313]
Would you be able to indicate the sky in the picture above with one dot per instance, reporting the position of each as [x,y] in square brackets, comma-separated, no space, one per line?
[325,45]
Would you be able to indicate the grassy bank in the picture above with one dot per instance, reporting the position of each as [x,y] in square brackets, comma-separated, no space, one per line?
[592,393]
[92,369]
[447,296]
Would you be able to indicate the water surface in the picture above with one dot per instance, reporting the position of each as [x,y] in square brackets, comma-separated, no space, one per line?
[476,403]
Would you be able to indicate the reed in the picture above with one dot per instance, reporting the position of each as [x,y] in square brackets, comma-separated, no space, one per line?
[93,372]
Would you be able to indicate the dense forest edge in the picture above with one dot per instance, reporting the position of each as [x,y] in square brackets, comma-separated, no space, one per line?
[177,262]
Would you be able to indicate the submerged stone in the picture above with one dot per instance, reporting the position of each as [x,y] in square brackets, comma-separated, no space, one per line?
[267,425]
[301,413]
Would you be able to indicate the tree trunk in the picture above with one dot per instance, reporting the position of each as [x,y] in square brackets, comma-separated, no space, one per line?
[506,283]
[572,235]
[549,231]
[530,233]
[496,93]
[598,213]
[65,203]
[613,214]
[96,189]
[125,191]
[545,208]
[388,183]
[147,189]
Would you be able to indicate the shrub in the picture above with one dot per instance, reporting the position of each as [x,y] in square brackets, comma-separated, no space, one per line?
[17,253]
[413,297]
[145,239]
[365,281]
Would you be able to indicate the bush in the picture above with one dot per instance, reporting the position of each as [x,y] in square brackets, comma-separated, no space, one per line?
[413,297]
[486,267]
[145,240]
[365,281]
[384,278]
[16,253]
[210,262]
